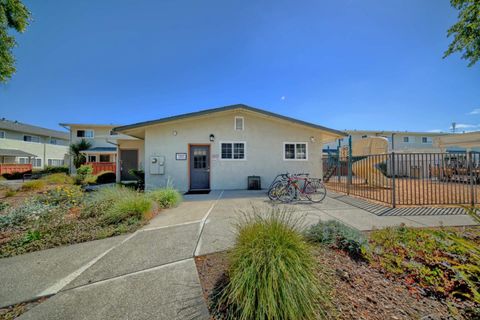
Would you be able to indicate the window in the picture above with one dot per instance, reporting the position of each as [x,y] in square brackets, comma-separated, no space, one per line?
[2,134]
[53,141]
[239,122]
[364,136]
[37,162]
[104,158]
[406,139]
[55,162]
[31,138]
[232,150]
[295,151]
[92,159]
[426,140]
[113,133]
[86,133]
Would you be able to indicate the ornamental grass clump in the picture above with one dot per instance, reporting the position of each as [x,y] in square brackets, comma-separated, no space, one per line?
[272,271]
[166,197]
[33,185]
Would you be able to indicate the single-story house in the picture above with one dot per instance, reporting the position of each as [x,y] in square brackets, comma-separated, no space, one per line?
[219,148]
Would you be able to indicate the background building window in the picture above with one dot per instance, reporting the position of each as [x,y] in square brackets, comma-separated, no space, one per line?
[104,158]
[426,140]
[31,138]
[233,150]
[2,135]
[53,141]
[86,133]
[295,151]
[92,159]
[406,139]
[56,162]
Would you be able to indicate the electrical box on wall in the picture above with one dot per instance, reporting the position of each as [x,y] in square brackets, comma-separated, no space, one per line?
[157,165]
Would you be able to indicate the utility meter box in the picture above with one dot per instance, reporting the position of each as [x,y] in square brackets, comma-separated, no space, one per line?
[157,165]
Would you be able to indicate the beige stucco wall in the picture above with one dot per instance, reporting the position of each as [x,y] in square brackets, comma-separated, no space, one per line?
[44,151]
[264,138]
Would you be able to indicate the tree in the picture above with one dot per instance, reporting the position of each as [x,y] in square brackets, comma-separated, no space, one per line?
[466,31]
[75,152]
[13,15]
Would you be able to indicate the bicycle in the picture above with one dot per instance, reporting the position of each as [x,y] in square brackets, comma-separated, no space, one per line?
[293,187]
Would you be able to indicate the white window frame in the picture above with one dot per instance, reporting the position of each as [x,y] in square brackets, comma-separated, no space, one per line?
[235,123]
[55,159]
[232,142]
[32,136]
[3,134]
[429,140]
[85,130]
[295,150]
[33,161]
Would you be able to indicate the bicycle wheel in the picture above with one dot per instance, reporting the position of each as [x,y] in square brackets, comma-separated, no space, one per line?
[273,191]
[285,192]
[315,191]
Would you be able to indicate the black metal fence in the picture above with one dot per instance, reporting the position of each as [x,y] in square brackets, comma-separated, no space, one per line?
[406,179]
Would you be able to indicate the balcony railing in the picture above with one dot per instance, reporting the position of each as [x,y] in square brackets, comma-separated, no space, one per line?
[103,166]
[15,167]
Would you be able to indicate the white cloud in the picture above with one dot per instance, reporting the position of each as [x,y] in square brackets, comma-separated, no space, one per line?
[464,126]
[475,111]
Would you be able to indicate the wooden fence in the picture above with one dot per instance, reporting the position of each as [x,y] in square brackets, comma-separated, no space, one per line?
[15,167]
[103,166]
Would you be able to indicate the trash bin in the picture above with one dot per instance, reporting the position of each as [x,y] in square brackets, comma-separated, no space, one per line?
[254,183]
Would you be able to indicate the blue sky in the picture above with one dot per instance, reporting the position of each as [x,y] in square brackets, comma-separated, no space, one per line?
[346,64]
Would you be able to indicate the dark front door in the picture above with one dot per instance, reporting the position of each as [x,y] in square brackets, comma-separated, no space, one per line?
[128,161]
[199,167]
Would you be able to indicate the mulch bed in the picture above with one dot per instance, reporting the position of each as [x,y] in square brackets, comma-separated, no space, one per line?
[358,291]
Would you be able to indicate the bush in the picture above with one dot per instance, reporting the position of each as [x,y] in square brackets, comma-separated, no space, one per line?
[272,271]
[339,235]
[33,185]
[442,262]
[51,169]
[106,177]
[29,210]
[85,170]
[15,175]
[166,197]
[131,209]
[62,195]
[58,178]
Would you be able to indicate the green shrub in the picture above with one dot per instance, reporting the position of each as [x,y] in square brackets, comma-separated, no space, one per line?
[52,169]
[166,197]
[4,205]
[339,235]
[443,262]
[33,185]
[57,178]
[29,210]
[62,195]
[85,169]
[106,177]
[131,209]
[272,271]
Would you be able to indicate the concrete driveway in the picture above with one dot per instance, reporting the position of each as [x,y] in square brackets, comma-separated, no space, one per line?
[151,273]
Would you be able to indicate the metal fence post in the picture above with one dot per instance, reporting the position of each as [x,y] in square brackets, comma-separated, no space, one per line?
[472,183]
[392,155]
[349,164]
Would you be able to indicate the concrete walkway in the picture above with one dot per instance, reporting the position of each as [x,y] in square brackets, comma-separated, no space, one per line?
[151,273]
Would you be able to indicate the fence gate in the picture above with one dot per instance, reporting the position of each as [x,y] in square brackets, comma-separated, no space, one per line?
[407,179]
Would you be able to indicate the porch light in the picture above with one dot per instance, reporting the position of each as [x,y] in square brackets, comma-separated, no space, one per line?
[312,139]
[174,132]
[212,137]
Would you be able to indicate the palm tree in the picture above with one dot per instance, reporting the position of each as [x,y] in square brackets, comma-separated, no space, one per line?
[75,152]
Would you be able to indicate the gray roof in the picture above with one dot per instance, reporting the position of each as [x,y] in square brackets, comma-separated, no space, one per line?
[227,108]
[15,153]
[27,128]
